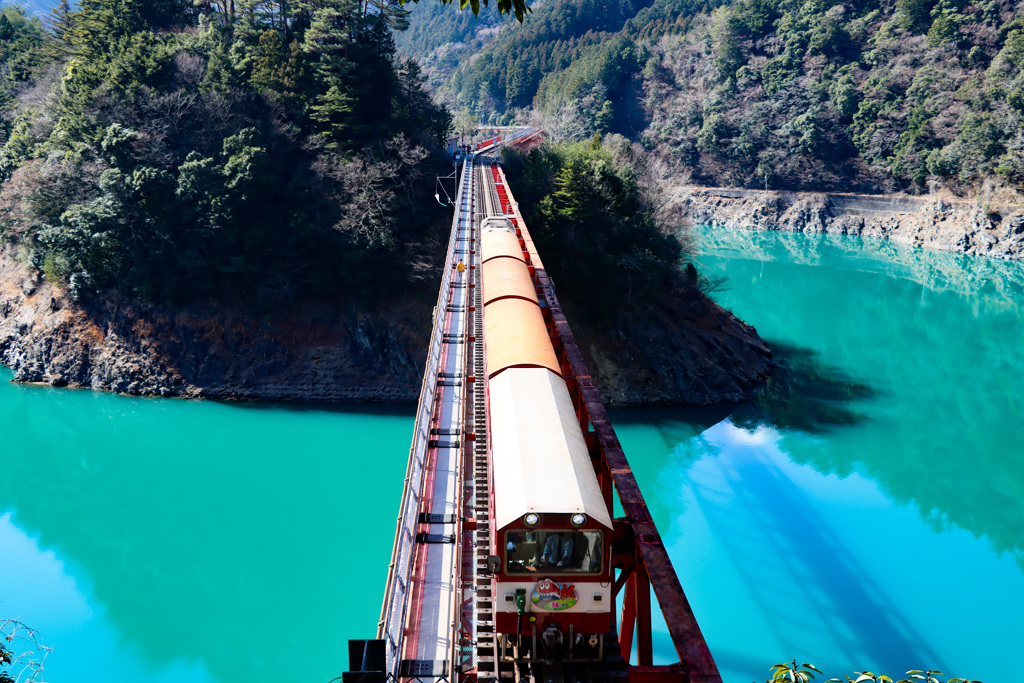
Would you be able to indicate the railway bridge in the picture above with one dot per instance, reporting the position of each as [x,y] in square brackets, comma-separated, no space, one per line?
[441,603]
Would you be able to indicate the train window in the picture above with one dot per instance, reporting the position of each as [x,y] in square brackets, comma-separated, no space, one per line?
[554,551]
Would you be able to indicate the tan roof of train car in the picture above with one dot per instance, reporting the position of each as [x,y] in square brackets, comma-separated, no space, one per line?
[516,336]
[541,461]
[495,243]
[504,277]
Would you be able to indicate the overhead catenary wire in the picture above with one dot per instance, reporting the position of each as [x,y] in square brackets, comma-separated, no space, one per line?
[438,183]
[36,6]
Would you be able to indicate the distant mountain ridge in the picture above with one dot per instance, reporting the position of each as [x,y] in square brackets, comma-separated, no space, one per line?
[495,65]
[440,35]
[857,95]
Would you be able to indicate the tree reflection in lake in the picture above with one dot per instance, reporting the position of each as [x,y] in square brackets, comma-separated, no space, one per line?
[866,508]
[902,364]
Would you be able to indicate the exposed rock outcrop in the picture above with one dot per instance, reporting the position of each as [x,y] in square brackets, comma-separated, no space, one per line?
[696,353]
[945,224]
[690,353]
[313,353]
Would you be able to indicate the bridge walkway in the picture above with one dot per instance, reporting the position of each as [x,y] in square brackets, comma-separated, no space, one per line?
[423,599]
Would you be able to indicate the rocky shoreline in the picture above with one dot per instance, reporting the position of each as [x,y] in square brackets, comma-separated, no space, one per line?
[703,356]
[943,223]
[127,347]
[325,352]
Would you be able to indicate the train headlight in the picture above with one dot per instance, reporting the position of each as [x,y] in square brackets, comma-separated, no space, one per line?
[531,519]
[579,519]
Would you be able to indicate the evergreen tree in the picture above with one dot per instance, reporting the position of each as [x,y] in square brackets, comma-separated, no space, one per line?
[269,59]
[162,14]
[333,27]
[915,14]
[99,24]
[946,23]
[397,17]
[605,119]
[334,110]
[60,21]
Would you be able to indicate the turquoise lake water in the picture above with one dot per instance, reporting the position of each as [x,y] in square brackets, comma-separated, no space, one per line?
[866,512]
[192,541]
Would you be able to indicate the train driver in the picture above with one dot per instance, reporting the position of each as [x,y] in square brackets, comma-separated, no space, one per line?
[558,550]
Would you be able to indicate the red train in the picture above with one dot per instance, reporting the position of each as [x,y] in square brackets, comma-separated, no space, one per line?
[552,527]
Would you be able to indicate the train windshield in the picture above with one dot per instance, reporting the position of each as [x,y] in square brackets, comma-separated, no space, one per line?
[554,551]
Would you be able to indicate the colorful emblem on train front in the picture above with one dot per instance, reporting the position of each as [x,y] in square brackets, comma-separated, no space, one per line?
[553,596]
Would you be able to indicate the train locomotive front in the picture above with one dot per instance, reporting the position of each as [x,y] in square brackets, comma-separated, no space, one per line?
[550,553]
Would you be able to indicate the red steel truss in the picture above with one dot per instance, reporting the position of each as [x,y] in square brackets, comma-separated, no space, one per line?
[638,551]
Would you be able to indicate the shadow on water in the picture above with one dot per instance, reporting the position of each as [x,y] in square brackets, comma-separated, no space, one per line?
[673,424]
[650,437]
[804,393]
[397,409]
[808,584]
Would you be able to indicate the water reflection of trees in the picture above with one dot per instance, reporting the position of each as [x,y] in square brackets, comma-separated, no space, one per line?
[934,343]
[958,473]
[804,393]
[660,439]
[673,424]
[991,283]
[944,441]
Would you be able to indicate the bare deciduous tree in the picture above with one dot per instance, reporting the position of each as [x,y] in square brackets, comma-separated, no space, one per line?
[22,652]
[377,184]
[565,123]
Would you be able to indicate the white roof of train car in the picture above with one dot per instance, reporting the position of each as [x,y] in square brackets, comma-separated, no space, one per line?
[541,463]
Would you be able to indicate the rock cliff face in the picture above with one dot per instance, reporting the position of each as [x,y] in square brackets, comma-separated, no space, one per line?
[692,354]
[316,353]
[996,231]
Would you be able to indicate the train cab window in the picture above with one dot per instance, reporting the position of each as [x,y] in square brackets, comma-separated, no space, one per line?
[554,551]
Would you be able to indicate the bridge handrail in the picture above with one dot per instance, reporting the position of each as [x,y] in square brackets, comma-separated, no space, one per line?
[393,612]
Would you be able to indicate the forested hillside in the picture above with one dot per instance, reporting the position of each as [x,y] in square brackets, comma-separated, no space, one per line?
[863,95]
[567,50]
[251,151]
[591,212]
[438,36]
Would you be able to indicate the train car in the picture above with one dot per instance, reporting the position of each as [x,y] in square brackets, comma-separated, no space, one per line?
[552,528]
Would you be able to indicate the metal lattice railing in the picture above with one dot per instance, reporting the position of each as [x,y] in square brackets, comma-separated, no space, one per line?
[393,612]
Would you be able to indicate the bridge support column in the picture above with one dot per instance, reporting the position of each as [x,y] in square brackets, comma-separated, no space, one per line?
[644,638]
[627,625]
